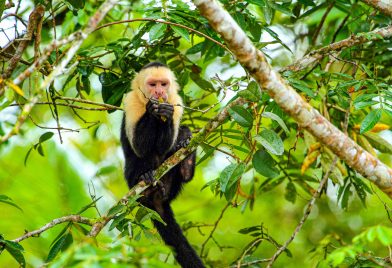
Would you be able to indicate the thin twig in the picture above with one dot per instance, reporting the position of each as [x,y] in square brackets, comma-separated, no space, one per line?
[214,228]
[110,107]
[317,32]
[258,240]
[72,106]
[34,20]
[69,218]
[316,56]
[54,128]
[308,209]
[169,23]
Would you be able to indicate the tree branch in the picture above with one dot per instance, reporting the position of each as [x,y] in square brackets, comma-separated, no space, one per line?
[306,214]
[77,39]
[69,218]
[384,6]
[34,19]
[290,101]
[314,57]
[169,23]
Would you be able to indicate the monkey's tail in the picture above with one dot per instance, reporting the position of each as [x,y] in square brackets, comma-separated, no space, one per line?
[172,234]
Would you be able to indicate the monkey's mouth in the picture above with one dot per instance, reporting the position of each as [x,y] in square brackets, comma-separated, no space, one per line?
[159,98]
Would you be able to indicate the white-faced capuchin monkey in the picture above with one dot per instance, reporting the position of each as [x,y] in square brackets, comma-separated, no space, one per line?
[150,133]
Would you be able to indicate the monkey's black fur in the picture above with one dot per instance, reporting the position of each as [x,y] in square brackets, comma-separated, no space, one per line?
[154,64]
[153,143]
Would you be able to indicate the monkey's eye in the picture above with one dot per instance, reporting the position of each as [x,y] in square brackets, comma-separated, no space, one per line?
[164,84]
[152,84]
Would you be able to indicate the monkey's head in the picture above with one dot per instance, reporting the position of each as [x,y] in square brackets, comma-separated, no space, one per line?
[155,80]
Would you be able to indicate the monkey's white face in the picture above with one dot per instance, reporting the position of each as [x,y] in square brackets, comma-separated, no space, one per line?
[157,87]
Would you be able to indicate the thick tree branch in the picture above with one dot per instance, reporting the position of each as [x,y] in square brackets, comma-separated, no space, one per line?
[290,101]
[314,57]
[384,6]
[69,218]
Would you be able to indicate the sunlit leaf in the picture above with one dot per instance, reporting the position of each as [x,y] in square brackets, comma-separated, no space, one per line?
[277,119]
[241,116]
[370,120]
[252,92]
[157,31]
[270,141]
[181,32]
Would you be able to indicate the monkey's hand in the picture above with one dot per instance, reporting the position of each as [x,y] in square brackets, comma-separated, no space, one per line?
[163,111]
[152,107]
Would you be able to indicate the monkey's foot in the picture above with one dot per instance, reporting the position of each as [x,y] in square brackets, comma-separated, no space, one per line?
[184,143]
[147,177]
[161,187]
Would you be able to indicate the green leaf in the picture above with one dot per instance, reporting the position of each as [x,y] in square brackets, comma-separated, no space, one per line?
[77,4]
[264,164]
[202,83]
[157,31]
[208,151]
[113,88]
[6,200]
[241,116]
[228,178]
[40,149]
[106,170]
[302,86]
[370,120]
[116,209]
[291,192]
[384,235]
[46,136]
[196,48]
[62,244]
[2,6]
[364,104]
[277,119]
[14,245]
[181,32]
[252,92]
[378,142]
[15,252]
[251,229]
[230,175]
[280,8]
[270,141]
[117,220]
[364,100]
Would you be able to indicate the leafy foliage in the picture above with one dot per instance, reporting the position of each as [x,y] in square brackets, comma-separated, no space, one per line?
[259,160]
